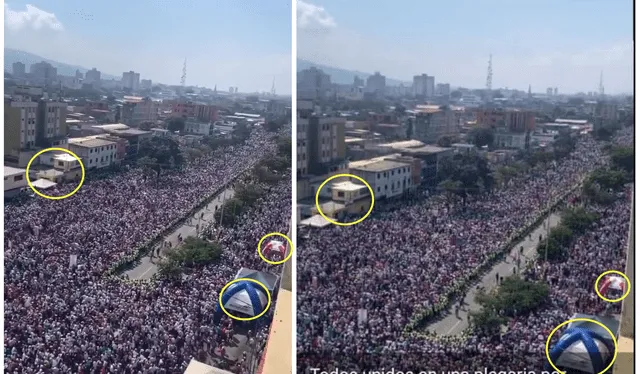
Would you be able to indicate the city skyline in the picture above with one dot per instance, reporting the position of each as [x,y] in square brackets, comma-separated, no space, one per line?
[548,45]
[220,50]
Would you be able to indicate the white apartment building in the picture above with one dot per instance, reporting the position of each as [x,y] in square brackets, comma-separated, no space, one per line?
[301,146]
[387,178]
[14,180]
[53,114]
[131,80]
[24,113]
[424,85]
[198,128]
[376,83]
[95,153]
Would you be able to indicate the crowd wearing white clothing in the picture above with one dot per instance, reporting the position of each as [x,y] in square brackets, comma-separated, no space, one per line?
[400,260]
[60,319]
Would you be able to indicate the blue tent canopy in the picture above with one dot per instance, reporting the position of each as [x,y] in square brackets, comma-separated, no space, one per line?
[582,349]
[243,298]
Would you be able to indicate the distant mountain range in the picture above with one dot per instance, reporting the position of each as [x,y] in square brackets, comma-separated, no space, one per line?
[15,55]
[343,76]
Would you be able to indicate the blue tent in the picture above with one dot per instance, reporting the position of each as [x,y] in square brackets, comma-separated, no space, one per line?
[242,299]
[582,349]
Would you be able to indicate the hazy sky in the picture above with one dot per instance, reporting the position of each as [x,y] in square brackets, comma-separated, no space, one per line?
[545,43]
[243,43]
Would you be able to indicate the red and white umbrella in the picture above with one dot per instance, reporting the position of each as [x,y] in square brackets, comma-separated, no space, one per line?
[275,247]
[613,282]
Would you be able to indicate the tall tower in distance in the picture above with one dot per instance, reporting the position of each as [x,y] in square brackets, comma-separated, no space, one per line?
[273,87]
[183,79]
[489,78]
[601,86]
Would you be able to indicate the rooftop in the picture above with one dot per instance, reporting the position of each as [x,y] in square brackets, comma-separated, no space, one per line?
[10,171]
[426,149]
[382,165]
[403,144]
[347,186]
[112,126]
[43,184]
[91,143]
[132,132]
[64,157]
[361,163]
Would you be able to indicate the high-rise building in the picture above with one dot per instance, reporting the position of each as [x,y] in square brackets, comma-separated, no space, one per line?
[51,124]
[358,82]
[31,124]
[19,124]
[549,91]
[92,77]
[555,91]
[443,89]
[79,74]
[145,84]
[18,69]
[313,83]
[136,110]
[376,84]
[131,80]
[424,85]
[433,122]
[43,73]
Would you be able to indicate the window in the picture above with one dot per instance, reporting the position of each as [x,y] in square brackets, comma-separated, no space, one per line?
[60,163]
[378,189]
[393,172]
[340,194]
[18,178]
[378,175]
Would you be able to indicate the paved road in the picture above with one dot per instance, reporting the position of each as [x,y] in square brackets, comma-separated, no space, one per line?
[148,266]
[452,324]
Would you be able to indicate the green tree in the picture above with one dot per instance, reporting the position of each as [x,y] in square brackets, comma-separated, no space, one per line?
[487,321]
[149,165]
[623,158]
[284,146]
[482,136]
[450,187]
[555,247]
[229,211]
[146,125]
[248,193]
[608,179]
[578,219]
[447,140]
[165,151]
[176,124]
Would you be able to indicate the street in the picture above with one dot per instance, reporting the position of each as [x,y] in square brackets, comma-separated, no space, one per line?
[148,266]
[452,324]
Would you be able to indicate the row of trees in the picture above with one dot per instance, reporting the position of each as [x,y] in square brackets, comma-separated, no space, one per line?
[264,175]
[513,297]
[193,253]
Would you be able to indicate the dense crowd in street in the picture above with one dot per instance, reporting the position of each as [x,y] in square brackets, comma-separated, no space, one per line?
[399,262]
[64,319]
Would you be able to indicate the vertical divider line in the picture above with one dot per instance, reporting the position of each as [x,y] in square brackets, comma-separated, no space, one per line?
[294,162]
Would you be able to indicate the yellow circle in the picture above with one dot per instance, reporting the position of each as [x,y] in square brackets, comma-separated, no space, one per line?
[54,197]
[626,279]
[615,343]
[240,318]
[348,176]
[275,262]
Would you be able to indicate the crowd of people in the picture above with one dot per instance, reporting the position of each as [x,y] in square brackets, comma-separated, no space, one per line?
[72,319]
[399,261]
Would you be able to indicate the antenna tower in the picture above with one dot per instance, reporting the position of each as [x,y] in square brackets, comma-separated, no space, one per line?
[183,79]
[273,87]
[489,76]
[601,86]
